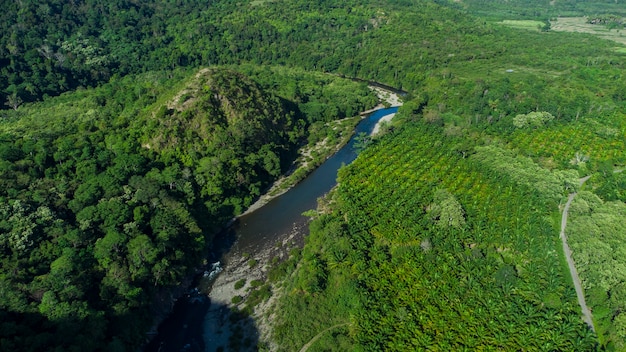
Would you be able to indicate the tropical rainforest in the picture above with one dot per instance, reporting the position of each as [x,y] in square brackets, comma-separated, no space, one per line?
[132,132]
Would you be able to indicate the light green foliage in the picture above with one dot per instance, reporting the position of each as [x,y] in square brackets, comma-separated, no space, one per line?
[446,210]
[551,185]
[403,283]
[83,51]
[597,232]
[587,144]
[535,119]
[524,24]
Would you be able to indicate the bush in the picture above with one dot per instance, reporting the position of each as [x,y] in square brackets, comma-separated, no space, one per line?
[239,284]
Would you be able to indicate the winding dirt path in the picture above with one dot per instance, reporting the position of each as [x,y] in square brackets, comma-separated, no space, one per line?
[316,337]
[570,262]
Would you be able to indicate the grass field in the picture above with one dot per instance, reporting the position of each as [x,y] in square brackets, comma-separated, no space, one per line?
[523,24]
[580,25]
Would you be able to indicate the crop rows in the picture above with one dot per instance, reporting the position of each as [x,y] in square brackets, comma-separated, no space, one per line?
[500,274]
[563,142]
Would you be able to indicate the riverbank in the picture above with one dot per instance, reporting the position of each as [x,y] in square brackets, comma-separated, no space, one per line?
[227,324]
[310,157]
[305,163]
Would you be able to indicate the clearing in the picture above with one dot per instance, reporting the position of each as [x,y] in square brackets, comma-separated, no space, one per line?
[523,24]
[580,25]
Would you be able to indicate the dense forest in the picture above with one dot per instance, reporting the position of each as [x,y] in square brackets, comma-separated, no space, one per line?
[111,196]
[133,131]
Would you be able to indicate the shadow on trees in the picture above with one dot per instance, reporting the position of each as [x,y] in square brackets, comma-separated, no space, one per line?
[184,328]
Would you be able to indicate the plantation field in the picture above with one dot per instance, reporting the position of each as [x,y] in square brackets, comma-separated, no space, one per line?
[580,25]
[426,246]
[588,140]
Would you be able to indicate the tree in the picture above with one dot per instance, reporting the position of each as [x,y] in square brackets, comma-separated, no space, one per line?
[446,210]
[361,141]
[141,256]
[533,119]
[13,101]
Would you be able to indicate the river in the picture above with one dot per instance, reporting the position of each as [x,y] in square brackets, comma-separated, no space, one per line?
[280,215]
[258,235]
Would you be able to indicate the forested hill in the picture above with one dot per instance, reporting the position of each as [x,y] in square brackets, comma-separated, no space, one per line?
[94,225]
[55,46]
[230,133]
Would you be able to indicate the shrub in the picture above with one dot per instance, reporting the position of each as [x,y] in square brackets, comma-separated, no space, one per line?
[239,284]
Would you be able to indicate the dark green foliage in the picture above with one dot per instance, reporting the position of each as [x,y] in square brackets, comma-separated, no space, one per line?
[236,138]
[94,230]
[321,97]
[239,284]
[95,226]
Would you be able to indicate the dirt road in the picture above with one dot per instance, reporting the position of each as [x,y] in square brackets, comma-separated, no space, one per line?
[570,262]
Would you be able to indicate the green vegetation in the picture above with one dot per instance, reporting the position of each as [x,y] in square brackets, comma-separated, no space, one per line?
[120,157]
[105,212]
[597,233]
[239,284]
[408,277]
[436,228]
[539,9]
[526,24]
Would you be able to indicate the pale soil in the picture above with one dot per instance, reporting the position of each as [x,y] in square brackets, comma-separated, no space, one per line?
[383,120]
[587,318]
[218,328]
[393,100]
[389,97]
[175,103]
[579,25]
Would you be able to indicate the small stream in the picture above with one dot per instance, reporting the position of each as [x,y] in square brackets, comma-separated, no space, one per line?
[255,232]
